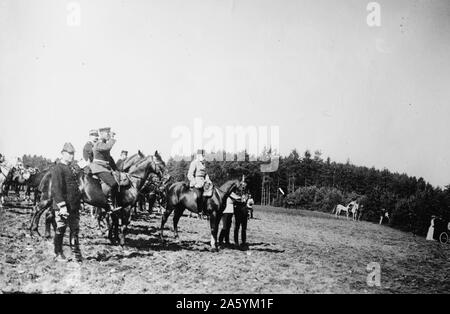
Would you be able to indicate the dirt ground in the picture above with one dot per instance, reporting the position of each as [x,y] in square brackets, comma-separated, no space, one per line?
[290,251]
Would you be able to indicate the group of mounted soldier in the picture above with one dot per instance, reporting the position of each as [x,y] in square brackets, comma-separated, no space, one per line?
[68,184]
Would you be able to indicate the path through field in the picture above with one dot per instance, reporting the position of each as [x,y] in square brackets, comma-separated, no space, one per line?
[291,251]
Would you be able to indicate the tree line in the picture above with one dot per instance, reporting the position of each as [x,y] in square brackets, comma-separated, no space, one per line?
[311,182]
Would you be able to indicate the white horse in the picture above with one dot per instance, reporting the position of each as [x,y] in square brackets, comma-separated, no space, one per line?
[341,208]
[354,210]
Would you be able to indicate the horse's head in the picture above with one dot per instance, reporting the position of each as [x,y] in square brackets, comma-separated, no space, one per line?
[226,189]
[150,164]
[132,160]
[160,168]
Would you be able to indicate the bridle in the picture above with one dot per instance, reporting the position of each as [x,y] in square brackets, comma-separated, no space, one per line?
[148,178]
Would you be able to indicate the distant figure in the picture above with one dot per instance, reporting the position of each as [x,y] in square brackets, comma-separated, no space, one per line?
[250,203]
[384,213]
[360,212]
[430,234]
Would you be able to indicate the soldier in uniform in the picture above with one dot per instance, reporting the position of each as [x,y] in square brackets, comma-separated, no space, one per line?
[103,164]
[197,177]
[67,202]
[123,156]
[88,154]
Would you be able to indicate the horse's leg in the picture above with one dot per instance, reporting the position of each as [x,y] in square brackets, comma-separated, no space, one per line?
[214,220]
[48,222]
[164,218]
[111,227]
[123,223]
[176,217]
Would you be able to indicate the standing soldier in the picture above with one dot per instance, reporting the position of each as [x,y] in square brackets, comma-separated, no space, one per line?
[123,156]
[102,164]
[197,177]
[67,200]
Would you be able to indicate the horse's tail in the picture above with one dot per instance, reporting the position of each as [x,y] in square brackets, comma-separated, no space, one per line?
[45,188]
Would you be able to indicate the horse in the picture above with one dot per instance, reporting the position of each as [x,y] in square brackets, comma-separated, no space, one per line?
[339,208]
[180,197]
[153,192]
[33,182]
[126,165]
[92,193]
[354,211]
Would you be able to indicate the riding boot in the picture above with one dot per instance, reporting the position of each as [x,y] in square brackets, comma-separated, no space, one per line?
[75,246]
[58,243]
[221,236]
[112,200]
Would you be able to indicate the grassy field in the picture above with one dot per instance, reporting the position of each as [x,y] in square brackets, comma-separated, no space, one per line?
[290,251]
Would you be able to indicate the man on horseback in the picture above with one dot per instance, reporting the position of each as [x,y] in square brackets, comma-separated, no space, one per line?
[67,202]
[88,153]
[198,179]
[102,164]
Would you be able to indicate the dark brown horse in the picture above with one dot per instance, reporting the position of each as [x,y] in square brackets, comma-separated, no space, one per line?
[180,197]
[92,194]
[32,184]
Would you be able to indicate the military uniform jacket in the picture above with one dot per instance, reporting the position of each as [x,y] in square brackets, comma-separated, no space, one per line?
[197,173]
[65,188]
[103,161]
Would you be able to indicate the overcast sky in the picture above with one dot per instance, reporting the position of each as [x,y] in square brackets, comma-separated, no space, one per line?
[379,96]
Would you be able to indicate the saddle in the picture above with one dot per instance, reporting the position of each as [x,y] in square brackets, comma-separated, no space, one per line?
[121,178]
[207,189]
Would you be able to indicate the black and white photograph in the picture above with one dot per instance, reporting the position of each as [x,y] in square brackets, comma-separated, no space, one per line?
[224,152]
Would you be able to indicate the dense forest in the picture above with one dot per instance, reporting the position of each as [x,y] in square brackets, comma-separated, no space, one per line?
[310,182]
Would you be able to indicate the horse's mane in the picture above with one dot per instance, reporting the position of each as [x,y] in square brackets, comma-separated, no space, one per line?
[229,185]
